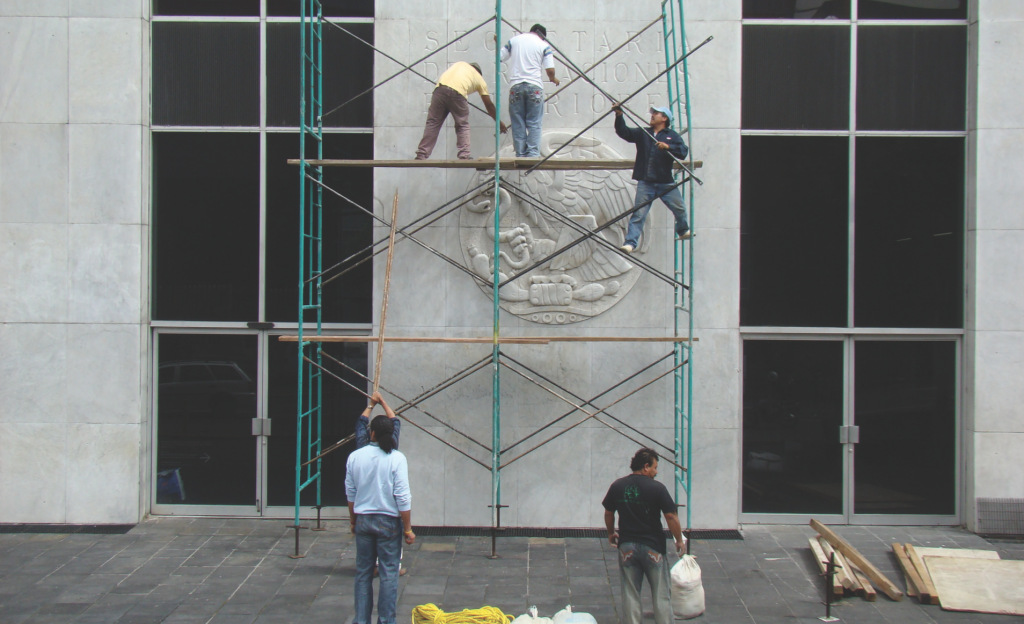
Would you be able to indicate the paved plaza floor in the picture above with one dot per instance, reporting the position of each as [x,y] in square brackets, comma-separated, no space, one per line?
[185,570]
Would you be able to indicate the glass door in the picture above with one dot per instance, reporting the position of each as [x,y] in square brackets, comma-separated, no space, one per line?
[794,466]
[207,460]
[903,437]
[342,405]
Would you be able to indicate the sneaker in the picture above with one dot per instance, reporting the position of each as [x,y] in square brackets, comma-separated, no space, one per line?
[627,248]
[684,236]
[402,571]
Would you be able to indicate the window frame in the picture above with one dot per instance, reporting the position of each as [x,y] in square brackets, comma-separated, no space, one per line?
[851,334]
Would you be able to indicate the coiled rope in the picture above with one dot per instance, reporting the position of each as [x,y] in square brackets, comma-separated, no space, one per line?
[430,614]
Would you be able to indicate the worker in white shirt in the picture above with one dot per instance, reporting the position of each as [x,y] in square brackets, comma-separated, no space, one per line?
[529,54]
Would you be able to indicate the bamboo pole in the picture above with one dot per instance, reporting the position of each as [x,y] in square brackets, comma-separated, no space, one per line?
[387,286]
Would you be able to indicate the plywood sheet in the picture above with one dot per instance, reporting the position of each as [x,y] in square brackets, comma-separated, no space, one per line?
[962,553]
[981,585]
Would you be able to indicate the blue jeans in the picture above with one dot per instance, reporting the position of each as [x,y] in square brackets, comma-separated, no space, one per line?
[378,540]
[645,191]
[526,109]
[635,562]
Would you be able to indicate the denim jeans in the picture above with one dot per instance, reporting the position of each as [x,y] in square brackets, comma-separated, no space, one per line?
[526,109]
[378,540]
[645,191]
[635,562]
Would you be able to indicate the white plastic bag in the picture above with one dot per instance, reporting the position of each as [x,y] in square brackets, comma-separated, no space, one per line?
[531,618]
[566,616]
[687,589]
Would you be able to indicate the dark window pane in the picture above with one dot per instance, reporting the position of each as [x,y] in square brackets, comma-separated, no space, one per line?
[331,8]
[911,77]
[794,231]
[905,399]
[796,9]
[206,74]
[346,229]
[206,220]
[248,8]
[206,454]
[796,77]
[341,406]
[792,411]
[347,72]
[912,9]
[910,214]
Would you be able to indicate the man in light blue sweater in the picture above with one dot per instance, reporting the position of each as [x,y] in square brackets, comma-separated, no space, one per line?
[380,509]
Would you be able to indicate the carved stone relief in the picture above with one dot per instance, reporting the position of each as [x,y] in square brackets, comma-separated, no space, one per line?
[579,283]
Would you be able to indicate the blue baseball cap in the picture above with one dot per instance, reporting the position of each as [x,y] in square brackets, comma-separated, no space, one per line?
[664,110]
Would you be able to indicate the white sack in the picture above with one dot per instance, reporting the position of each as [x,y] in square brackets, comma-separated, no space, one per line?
[687,590]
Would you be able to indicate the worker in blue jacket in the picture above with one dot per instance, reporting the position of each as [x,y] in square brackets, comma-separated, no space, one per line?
[652,171]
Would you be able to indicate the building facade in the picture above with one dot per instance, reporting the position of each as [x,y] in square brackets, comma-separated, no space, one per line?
[856,259]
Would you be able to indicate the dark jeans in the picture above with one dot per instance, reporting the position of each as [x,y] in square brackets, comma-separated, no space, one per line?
[635,562]
[443,101]
[378,540]
[645,192]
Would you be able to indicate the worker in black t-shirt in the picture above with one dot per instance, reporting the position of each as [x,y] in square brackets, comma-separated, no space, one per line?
[640,501]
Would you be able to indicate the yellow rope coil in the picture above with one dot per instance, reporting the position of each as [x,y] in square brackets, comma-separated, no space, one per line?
[430,614]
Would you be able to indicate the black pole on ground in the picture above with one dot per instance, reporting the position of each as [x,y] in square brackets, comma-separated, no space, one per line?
[296,555]
[494,535]
[830,573]
[318,527]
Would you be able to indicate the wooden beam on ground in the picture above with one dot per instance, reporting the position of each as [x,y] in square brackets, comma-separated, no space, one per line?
[541,340]
[869,592]
[854,557]
[912,575]
[922,571]
[846,578]
[484,164]
[822,559]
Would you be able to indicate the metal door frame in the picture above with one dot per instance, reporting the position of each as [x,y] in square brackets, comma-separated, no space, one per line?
[849,338]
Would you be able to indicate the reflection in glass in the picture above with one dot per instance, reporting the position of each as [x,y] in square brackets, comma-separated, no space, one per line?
[227,8]
[912,78]
[348,71]
[904,404]
[206,220]
[341,406]
[796,77]
[794,231]
[792,411]
[346,229]
[909,232]
[206,74]
[912,9]
[796,9]
[331,8]
[206,453]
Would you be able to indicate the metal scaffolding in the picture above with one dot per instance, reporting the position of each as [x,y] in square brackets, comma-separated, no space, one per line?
[314,365]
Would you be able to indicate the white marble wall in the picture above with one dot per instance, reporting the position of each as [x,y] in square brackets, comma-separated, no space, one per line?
[73,244]
[994,427]
[562,483]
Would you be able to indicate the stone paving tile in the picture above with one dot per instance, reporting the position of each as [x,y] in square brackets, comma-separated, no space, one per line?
[225,571]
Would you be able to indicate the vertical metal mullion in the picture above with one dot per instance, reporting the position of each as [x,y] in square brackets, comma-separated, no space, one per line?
[261,412]
[852,179]
[849,452]
[261,311]
[959,499]
[154,420]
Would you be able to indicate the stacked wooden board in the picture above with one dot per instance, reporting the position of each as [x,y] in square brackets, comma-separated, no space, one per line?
[958,579]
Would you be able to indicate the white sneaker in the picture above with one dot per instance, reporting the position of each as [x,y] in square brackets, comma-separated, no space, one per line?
[685,235]
[627,248]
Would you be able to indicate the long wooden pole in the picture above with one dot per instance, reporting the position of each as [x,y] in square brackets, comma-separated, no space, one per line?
[387,287]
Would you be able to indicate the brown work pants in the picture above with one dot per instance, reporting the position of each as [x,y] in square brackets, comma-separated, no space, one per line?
[445,100]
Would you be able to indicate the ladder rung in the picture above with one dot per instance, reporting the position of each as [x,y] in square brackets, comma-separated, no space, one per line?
[310,307]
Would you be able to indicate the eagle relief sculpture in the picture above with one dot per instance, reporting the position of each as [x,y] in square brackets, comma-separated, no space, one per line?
[579,283]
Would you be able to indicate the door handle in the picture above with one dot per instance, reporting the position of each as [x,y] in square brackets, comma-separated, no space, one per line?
[261,426]
[849,435]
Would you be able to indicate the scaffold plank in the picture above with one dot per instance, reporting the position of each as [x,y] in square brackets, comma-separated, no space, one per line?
[514,164]
[541,340]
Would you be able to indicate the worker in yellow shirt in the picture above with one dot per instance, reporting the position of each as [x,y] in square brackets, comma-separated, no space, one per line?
[453,87]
